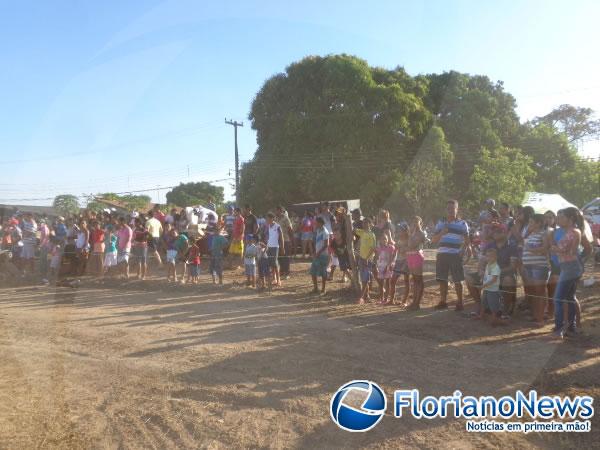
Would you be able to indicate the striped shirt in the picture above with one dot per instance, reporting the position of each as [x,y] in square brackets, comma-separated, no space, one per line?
[454,240]
[29,232]
[534,241]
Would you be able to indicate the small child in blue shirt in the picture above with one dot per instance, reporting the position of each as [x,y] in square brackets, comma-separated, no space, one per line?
[250,254]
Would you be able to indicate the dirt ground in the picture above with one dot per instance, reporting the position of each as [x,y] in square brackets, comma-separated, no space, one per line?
[114,364]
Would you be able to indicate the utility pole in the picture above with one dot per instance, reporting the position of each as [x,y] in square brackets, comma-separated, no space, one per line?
[235,125]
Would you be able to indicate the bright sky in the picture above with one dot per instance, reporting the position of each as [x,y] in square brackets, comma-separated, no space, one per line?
[128,95]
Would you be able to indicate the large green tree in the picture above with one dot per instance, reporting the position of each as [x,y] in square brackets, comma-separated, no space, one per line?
[474,112]
[334,127]
[582,183]
[502,173]
[551,155]
[66,204]
[189,194]
[329,125]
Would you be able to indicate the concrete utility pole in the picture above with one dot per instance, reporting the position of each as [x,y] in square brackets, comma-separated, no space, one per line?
[235,125]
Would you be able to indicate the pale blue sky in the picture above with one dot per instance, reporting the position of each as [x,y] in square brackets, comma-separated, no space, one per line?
[117,96]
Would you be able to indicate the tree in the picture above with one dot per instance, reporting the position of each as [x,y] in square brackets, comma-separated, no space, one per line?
[502,173]
[550,153]
[474,112]
[188,194]
[327,123]
[575,122]
[66,204]
[426,184]
[582,183]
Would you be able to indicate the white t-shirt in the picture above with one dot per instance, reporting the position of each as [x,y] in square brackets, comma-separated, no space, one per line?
[321,237]
[491,271]
[273,235]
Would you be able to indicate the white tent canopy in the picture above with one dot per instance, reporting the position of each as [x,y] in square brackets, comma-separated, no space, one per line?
[541,202]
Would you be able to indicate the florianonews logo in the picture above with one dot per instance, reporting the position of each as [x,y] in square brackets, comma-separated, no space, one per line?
[360,404]
[363,418]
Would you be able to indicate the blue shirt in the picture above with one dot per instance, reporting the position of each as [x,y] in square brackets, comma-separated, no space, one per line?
[558,235]
[218,244]
[454,240]
[61,230]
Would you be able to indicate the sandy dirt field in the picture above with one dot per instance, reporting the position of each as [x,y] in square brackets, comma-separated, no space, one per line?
[115,364]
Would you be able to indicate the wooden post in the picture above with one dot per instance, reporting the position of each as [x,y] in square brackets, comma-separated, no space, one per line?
[350,249]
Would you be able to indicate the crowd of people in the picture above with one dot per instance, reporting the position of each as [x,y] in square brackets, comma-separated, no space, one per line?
[547,251]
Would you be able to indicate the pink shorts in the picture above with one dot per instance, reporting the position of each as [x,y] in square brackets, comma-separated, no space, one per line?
[415,260]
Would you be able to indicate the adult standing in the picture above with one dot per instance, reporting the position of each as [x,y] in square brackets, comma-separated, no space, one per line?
[535,266]
[45,247]
[236,247]
[415,260]
[274,240]
[357,224]
[124,236]
[384,226]
[140,248]
[155,230]
[251,227]
[98,246]
[307,228]
[228,221]
[571,269]
[318,267]
[29,228]
[82,246]
[452,235]
[285,252]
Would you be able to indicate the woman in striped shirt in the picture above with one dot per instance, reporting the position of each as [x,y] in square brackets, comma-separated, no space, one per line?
[536,267]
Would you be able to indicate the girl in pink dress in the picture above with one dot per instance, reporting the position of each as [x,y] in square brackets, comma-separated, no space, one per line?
[386,253]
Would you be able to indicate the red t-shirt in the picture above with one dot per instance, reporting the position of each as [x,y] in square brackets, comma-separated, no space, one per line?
[96,236]
[160,216]
[238,225]
[194,255]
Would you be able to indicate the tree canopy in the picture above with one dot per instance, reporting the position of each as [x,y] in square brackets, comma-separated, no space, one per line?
[66,204]
[333,127]
[188,194]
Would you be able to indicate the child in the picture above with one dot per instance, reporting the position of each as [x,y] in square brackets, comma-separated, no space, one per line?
[182,246]
[401,265]
[264,269]
[171,242]
[56,258]
[386,254]
[193,260]
[318,267]
[490,302]
[218,245]
[341,252]
[366,251]
[110,256]
[250,254]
